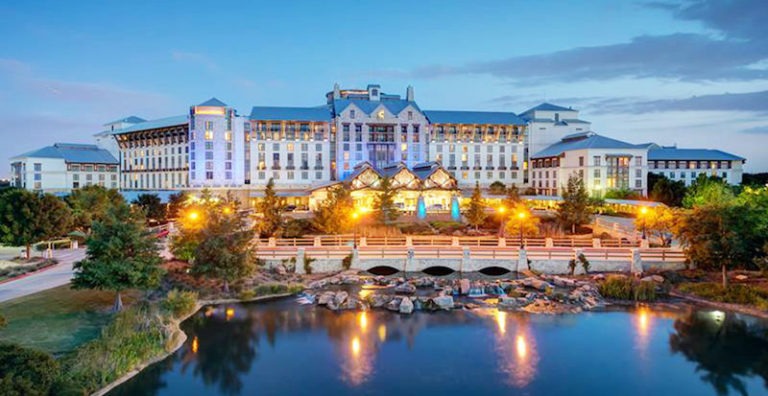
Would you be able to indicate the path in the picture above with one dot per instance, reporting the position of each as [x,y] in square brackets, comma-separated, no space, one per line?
[58,275]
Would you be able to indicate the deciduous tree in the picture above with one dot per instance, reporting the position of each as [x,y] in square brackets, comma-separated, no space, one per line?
[91,203]
[152,206]
[334,215]
[27,218]
[669,192]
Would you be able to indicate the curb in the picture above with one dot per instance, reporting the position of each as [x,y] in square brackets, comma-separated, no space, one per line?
[29,273]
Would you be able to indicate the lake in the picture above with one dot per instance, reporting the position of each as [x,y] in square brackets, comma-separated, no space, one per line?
[282,348]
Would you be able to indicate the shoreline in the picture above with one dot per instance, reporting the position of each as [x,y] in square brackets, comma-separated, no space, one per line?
[743,309]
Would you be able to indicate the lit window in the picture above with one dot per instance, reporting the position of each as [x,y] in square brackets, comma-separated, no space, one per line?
[208,135]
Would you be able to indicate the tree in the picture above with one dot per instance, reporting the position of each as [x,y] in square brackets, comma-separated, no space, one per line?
[621,193]
[91,203]
[475,212]
[270,209]
[497,188]
[384,203]
[334,215]
[26,371]
[529,223]
[175,203]
[669,192]
[575,208]
[27,218]
[707,189]
[121,255]
[224,250]
[152,206]
[659,222]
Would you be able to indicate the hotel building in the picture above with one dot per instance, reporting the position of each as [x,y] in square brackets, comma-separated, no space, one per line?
[687,164]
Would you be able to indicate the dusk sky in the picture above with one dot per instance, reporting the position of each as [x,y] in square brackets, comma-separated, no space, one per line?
[693,73]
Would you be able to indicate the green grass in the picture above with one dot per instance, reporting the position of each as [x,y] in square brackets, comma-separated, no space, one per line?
[734,294]
[59,319]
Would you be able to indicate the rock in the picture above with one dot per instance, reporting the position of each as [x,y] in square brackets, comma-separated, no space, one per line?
[653,278]
[537,284]
[471,306]
[598,277]
[340,297]
[507,302]
[379,300]
[325,298]
[443,302]
[563,282]
[406,306]
[350,279]
[394,304]
[464,286]
[280,270]
[405,288]
[447,291]
[741,277]
[318,284]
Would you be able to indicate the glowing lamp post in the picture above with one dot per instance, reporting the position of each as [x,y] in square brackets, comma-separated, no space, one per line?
[193,216]
[521,217]
[502,211]
[355,216]
[643,214]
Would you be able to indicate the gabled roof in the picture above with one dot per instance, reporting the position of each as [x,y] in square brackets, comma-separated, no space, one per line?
[127,120]
[583,140]
[395,106]
[154,124]
[73,153]
[270,113]
[473,117]
[548,107]
[671,153]
[213,102]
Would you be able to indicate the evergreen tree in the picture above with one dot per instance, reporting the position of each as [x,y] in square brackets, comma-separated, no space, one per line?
[27,218]
[271,211]
[384,203]
[152,206]
[497,188]
[475,213]
[575,208]
[334,215]
[224,249]
[121,255]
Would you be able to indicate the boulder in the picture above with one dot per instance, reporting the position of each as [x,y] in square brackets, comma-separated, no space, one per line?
[653,278]
[280,270]
[598,277]
[350,279]
[537,284]
[563,282]
[379,300]
[318,284]
[507,302]
[443,302]
[405,288]
[340,297]
[464,286]
[406,306]
[394,304]
[325,298]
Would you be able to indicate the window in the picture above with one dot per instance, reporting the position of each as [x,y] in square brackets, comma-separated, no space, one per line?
[581,161]
[209,125]
[38,167]
[596,160]
[638,183]
[228,136]
[351,114]
[209,175]
[638,161]
[209,145]
[410,115]
[208,135]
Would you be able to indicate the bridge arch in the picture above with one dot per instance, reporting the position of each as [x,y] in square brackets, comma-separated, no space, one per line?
[438,270]
[384,270]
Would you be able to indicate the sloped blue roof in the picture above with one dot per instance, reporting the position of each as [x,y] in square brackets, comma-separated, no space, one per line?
[473,117]
[270,113]
[580,141]
[670,153]
[548,107]
[128,120]
[394,106]
[213,102]
[154,124]
[73,153]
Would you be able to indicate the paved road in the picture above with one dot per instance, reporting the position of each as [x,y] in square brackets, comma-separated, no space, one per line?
[59,275]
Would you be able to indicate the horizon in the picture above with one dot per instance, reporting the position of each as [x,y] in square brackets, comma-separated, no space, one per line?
[671,73]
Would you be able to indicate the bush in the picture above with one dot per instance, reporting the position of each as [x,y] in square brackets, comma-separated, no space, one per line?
[26,371]
[419,228]
[308,265]
[734,294]
[247,295]
[269,289]
[624,288]
[135,336]
[572,266]
[297,228]
[584,262]
[446,227]
[346,262]
[180,303]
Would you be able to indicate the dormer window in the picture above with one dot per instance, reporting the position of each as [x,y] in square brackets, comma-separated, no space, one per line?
[375,92]
[410,115]
[351,114]
[557,117]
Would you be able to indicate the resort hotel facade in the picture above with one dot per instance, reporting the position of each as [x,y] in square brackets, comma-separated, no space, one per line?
[357,137]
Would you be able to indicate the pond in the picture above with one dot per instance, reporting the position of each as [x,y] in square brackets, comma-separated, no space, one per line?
[282,348]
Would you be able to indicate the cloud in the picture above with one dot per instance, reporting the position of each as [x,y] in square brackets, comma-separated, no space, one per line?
[758,130]
[749,101]
[743,19]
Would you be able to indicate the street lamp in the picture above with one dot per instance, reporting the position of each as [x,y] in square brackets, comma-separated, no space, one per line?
[502,211]
[193,215]
[355,216]
[521,216]
[643,213]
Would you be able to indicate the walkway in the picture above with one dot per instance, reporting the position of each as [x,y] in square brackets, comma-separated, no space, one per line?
[58,275]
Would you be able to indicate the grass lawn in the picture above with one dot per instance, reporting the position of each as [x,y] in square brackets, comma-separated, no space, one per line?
[59,319]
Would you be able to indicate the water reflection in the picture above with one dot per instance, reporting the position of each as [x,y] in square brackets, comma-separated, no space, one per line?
[262,347]
[727,348]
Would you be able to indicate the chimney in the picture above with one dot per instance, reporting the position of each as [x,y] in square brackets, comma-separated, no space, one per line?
[409,94]
[336,91]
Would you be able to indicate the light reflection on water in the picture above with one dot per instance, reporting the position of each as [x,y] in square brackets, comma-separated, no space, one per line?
[282,348]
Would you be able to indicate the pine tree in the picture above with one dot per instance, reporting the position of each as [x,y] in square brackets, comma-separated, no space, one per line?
[475,213]
[575,208]
[121,255]
[270,208]
[384,203]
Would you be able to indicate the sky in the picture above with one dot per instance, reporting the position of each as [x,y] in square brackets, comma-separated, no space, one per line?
[692,73]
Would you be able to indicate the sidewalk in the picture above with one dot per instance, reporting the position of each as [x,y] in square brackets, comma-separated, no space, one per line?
[58,275]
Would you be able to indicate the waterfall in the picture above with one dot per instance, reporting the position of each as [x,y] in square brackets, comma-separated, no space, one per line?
[421,208]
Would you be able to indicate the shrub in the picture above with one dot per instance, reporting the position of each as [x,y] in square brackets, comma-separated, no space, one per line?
[268,289]
[446,227]
[734,294]
[308,264]
[297,228]
[26,371]
[572,266]
[3,321]
[616,287]
[247,295]
[346,262]
[180,303]
[644,291]
[584,262]
[295,288]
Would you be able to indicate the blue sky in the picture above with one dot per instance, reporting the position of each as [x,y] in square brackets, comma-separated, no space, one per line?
[693,73]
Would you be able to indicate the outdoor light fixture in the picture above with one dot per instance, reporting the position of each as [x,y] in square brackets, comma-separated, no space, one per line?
[193,216]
